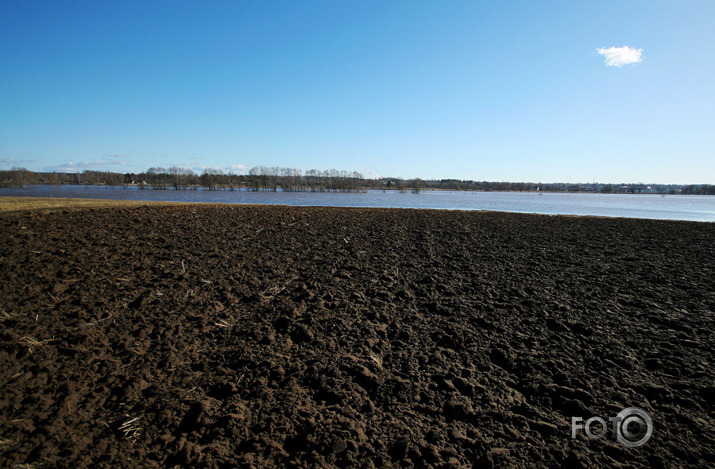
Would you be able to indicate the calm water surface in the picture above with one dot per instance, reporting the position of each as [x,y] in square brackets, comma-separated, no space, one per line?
[670,207]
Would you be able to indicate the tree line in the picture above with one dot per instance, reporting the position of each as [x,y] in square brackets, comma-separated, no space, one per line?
[259,178]
[262,178]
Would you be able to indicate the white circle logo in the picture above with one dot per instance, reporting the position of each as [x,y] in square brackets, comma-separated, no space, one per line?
[633,427]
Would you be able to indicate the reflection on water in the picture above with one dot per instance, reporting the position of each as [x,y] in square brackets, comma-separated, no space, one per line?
[672,207]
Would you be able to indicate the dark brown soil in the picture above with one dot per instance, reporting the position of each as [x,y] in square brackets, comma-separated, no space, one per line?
[204,336]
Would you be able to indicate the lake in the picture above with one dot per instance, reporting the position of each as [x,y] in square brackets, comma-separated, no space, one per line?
[669,207]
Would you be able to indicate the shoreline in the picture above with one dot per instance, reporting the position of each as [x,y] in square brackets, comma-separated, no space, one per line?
[15,204]
[149,187]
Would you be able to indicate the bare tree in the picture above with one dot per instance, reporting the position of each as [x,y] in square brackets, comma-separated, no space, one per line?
[21,177]
[16,177]
[211,178]
[157,178]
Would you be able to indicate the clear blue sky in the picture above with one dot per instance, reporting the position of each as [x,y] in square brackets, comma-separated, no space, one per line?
[508,90]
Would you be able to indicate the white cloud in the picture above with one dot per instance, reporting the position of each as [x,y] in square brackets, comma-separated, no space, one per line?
[201,168]
[373,174]
[236,168]
[14,162]
[620,56]
[72,167]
